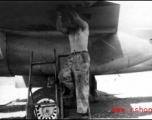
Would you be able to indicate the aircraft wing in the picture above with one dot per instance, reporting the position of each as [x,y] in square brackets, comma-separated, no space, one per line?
[42,15]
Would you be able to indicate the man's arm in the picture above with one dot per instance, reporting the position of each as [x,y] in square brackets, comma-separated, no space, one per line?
[78,20]
[59,24]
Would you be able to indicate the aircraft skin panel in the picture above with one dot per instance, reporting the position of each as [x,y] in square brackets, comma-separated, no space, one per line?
[4,68]
[42,16]
[136,68]
[20,48]
[108,52]
[142,46]
[31,26]
[129,51]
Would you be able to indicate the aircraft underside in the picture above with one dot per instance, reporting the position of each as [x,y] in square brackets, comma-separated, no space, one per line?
[30,28]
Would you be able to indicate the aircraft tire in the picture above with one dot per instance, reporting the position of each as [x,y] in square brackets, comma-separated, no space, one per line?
[44,95]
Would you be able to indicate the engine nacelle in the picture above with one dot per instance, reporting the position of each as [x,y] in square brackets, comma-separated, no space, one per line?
[109,53]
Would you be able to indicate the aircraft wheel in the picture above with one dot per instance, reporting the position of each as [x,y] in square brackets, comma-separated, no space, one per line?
[44,95]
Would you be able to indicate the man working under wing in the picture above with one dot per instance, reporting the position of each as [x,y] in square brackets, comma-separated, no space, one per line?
[78,63]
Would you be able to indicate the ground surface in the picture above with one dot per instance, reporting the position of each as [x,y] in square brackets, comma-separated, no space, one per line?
[119,91]
[101,109]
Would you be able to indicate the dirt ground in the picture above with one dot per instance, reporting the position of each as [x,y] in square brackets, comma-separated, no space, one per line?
[119,91]
[100,109]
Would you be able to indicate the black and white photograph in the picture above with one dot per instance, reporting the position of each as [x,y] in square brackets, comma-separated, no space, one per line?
[75,59]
